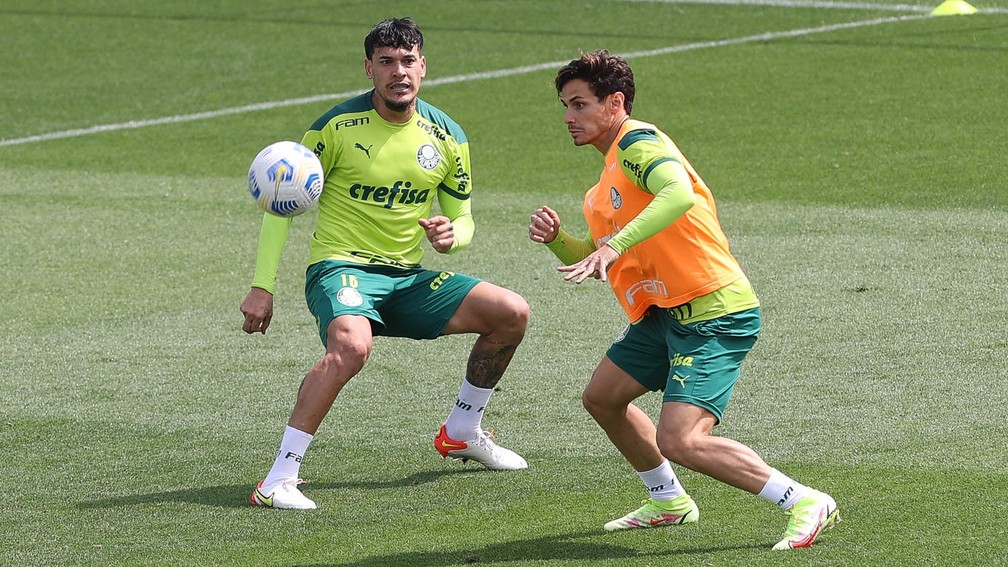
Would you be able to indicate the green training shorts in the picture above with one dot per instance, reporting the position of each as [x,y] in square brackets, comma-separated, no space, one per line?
[697,363]
[400,302]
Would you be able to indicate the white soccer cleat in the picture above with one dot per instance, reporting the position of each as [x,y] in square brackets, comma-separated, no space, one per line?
[283,495]
[483,450]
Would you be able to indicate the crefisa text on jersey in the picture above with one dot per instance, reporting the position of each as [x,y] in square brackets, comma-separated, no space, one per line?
[431,129]
[401,192]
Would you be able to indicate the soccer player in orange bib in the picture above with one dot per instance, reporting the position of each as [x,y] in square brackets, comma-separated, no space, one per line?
[655,237]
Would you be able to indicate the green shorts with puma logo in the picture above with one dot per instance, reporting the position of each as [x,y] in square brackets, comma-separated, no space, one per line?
[400,302]
[696,363]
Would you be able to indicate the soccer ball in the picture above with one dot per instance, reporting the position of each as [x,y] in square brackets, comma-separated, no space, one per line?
[285,179]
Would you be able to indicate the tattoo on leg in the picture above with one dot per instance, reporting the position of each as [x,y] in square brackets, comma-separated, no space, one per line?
[487,362]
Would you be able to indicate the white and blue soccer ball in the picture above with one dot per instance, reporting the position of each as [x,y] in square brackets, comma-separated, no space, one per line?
[285,179]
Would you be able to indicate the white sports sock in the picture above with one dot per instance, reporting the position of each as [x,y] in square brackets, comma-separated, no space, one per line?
[782,490]
[661,482]
[463,423]
[288,460]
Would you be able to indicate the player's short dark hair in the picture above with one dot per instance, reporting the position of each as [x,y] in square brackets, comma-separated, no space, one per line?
[401,33]
[605,74]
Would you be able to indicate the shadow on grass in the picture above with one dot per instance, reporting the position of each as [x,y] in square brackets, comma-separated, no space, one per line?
[570,548]
[237,495]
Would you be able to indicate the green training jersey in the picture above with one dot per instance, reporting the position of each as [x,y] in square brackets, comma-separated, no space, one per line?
[380,178]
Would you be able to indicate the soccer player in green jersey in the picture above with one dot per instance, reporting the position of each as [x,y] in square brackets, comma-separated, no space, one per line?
[387,155]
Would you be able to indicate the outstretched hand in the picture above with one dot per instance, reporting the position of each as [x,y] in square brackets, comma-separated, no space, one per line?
[439,232]
[594,265]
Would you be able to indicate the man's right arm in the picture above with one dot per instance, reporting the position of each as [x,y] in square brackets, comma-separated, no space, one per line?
[258,304]
[545,228]
[568,249]
[272,238]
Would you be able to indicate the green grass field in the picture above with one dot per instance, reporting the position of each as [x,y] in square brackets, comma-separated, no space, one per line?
[857,154]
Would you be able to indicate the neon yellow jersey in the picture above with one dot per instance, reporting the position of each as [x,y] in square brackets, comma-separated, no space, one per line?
[380,178]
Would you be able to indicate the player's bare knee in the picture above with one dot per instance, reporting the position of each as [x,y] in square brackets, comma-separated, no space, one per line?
[588,401]
[679,450]
[514,315]
[345,359]
[505,320]
[596,403]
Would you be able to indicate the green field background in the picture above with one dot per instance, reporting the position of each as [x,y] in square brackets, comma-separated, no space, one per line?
[859,173]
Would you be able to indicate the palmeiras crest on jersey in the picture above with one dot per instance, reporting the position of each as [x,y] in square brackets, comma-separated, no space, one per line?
[428,157]
[349,296]
[615,197]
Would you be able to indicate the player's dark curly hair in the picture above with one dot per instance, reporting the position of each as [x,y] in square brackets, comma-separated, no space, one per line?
[605,74]
[401,33]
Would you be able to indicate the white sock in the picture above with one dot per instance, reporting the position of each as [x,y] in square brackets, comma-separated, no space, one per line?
[463,422]
[288,460]
[661,482]
[782,490]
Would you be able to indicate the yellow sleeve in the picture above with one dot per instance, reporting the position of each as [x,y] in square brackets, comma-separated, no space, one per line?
[459,212]
[570,250]
[673,191]
[453,198]
[272,237]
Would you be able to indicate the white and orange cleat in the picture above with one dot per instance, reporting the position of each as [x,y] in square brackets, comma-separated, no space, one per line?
[483,450]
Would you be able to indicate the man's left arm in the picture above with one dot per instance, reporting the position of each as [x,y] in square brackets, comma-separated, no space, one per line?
[670,183]
[453,198]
